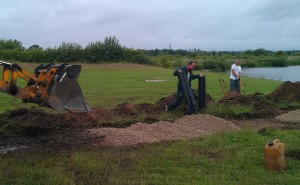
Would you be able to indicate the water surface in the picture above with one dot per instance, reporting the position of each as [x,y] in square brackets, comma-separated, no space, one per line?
[290,73]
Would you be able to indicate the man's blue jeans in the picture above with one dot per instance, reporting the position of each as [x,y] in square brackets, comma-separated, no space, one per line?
[234,85]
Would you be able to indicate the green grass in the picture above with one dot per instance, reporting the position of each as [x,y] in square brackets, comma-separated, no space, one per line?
[228,111]
[107,85]
[288,105]
[229,158]
[6,128]
[112,84]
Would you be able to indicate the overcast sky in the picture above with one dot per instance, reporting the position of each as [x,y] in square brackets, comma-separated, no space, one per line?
[149,24]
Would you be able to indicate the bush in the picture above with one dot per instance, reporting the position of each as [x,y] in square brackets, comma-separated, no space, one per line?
[295,61]
[69,52]
[108,50]
[296,53]
[209,64]
[165,61]
[280,53]
[136,56]
[259,52]
[250,64]
[10,44]
[49,55]
[216,65]
[178,63]
[33,55]
[223,66]
[279,62]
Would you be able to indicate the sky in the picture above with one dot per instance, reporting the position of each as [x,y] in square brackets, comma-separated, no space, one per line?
[209,25]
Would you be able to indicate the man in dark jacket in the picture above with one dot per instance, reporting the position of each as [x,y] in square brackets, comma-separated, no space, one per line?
[187,70]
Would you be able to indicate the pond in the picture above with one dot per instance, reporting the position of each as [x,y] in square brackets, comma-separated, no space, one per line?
[290,73]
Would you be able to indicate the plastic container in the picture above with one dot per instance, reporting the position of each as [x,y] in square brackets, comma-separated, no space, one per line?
[274,152]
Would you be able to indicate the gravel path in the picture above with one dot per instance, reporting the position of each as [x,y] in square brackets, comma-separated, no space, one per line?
[185,128]
[292,116]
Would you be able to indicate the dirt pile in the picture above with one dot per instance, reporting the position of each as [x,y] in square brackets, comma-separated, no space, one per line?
[164,101]
[84,134]
[262,108]
[234,97]
[293,116]
[126,114]
[122,115]
[288,91]
[124,111]
[88,117]
[187,127]
[32,117]
[265,105]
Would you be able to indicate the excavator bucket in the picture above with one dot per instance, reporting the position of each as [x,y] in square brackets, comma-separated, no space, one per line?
[65,92]
[50,85]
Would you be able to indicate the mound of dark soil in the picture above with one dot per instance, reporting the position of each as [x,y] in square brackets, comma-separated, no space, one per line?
[234,97]
[33,117]
[170,99]
[288,91]
[122,115]
[261,106]
[32,121]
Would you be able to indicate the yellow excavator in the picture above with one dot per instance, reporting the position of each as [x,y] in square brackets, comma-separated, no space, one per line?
[51,85]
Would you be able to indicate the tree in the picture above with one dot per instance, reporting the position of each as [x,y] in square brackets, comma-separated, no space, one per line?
[279,53]
[10,44]
[69,52]
[108,50]
[248,52]
[35,46]
[261,51]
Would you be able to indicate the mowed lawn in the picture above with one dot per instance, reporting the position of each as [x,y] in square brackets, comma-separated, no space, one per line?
[228,158]
[107,85]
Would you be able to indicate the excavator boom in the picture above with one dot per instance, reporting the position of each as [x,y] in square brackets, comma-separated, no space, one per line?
[51,85]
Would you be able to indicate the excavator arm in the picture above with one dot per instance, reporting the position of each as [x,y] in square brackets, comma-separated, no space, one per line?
[51,85]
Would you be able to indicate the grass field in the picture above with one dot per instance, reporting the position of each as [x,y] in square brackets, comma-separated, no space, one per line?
[228,158]
[108,85]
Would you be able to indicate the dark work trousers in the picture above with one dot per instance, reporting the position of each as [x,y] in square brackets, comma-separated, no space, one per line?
[178,101]
[234,85]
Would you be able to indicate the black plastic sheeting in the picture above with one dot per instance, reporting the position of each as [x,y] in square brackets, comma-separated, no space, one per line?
[201,92]
[187,91]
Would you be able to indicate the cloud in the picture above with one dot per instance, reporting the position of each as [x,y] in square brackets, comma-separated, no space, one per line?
[150,24]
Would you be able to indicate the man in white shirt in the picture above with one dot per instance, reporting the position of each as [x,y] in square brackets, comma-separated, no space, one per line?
[235,76]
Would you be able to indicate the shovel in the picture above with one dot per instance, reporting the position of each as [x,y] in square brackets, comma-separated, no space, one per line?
[241,84]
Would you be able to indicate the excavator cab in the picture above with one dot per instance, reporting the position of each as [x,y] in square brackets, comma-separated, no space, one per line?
[51,85]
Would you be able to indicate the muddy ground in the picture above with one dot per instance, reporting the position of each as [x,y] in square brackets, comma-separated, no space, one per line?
[122,125]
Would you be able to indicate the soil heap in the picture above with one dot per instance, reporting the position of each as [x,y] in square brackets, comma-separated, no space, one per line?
[288,91]
[262,108]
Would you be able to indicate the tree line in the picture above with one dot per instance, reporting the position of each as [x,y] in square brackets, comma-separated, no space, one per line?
[110,50]
[105,51]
